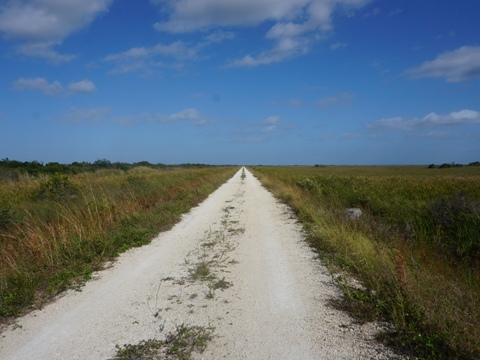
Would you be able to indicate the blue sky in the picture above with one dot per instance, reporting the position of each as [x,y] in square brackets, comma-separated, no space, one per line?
[240,81]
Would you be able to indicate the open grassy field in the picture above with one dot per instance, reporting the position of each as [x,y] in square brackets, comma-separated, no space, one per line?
[415,249]
[55,230]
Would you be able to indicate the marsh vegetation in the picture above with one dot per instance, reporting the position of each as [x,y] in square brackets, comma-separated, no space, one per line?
[415,250]
[56,229]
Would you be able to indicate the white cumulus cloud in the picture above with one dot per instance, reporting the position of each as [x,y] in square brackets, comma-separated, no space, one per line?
[84,86]
[39,84]
[296,23]
[40,25]
[455,66]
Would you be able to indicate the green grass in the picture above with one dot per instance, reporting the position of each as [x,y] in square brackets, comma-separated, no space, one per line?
[416,248]
[56,230]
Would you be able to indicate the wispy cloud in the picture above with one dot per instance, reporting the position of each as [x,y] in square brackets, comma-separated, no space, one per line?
[54,88]
[44,50]
[270,124]
[432,120]
[94,115]
[259,131]
[147,59]
[297,24]
[40,25]
[455,66]
[323,137]
[351,136]
[187,115]
[374,12]
[296,102]
[284,49]
[219,36]
[342,99]
[176,55]
[397,11]
[338,46]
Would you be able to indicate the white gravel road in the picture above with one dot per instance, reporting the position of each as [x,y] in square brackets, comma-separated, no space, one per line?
[273,303]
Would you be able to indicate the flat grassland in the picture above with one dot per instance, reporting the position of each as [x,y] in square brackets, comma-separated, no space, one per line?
[56,230]
[415,250]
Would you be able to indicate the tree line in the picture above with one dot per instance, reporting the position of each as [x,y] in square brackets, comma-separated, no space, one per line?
[37,167]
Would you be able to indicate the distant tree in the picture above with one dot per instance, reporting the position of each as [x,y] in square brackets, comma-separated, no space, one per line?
[121,166]
[55,167]
[142,163]
[102,164]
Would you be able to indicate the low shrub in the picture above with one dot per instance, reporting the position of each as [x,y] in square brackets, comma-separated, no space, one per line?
[58,187]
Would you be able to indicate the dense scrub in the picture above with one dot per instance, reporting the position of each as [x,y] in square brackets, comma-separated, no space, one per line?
[415,249]
[55,230]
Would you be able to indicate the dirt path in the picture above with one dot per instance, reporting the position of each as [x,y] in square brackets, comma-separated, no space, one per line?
[237,263]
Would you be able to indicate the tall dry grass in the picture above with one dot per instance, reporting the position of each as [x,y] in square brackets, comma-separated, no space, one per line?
[56,230]
[415,250]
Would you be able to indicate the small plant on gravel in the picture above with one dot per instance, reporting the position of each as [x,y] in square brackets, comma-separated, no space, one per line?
[209,244]
[210,294]
[187,339]
[179,344]
[201,271]
[145,349]
[204,263]
[221,284]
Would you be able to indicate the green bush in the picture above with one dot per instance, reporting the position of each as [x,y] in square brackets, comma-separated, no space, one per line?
[58,187]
